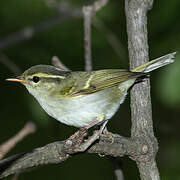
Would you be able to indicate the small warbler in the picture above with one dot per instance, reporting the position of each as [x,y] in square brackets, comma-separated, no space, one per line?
[81,98]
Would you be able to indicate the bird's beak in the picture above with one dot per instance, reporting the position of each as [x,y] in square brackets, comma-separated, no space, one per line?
[18,79]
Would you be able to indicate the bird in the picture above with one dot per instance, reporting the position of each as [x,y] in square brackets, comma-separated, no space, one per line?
[84,99]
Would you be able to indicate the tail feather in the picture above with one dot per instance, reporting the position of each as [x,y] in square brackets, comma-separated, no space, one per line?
[156,63]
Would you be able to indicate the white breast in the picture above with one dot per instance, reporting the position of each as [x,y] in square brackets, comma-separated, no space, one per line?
[81,111]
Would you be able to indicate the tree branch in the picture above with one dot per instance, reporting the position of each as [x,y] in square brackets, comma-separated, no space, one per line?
[141,112]
[29,128]
[58,152]
[27,33]
[117,163]
[142,146]
[88,12]
[10,64]
[58,63]
[111,37]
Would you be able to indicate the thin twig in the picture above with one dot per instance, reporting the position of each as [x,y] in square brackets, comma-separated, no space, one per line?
[118,167]
[61,7]
[97,5]
[29,32]
[65,12]
[119,174]
[29,128]
[88,12]
[58,63]
[10,64]
[111,37]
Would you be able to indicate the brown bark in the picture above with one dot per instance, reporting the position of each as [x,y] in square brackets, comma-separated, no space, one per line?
[141,112]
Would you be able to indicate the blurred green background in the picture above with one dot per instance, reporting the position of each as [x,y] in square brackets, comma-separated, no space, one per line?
[65,40]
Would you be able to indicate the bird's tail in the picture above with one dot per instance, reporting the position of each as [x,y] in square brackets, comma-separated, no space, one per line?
[156,63]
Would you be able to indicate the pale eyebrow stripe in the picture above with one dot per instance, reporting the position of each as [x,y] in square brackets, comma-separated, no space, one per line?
[48,75]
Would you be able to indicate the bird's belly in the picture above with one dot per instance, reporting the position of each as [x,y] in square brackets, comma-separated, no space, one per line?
[81,111]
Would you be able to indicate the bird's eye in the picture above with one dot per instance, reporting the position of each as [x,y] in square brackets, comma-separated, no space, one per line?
[36,79]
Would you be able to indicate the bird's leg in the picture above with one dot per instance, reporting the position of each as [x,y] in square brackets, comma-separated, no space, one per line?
[91,139]
[82,132]
[91,124]
[81,144]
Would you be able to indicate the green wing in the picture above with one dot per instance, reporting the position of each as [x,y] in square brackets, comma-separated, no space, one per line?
[101,79]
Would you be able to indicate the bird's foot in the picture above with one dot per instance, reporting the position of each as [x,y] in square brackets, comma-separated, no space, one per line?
[84,146]
[80,144]
[82,132]
[107,134]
